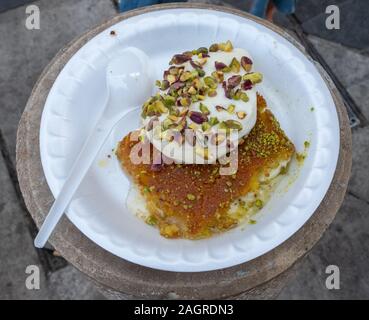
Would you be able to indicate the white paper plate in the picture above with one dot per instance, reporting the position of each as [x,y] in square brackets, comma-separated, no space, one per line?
[291,87]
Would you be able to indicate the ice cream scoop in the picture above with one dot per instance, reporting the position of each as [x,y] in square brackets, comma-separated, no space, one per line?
[205,93]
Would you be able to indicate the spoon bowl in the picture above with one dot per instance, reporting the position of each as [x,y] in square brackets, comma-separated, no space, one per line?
[129,79]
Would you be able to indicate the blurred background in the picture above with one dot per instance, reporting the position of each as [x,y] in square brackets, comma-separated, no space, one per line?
[344,53]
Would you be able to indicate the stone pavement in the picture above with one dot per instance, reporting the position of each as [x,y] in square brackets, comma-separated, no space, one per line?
[23,55]
[346,241]
[17,252]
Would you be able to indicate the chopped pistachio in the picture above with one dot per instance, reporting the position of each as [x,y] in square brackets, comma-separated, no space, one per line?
[213,121]
[241,115]
[197,83]
[212,93]
[237,94]
[210,82]
[169,101]
[202,50]
[173,71]
[192,90]
[233,124]
[164,85]
[205,126]
[259,203]
[226,69]
[218,75]
[194,98]
[174,112]
[166,124]
[185,76]
[235,65]
[181,58]
[246,63]
[200,72]
[160,107]
[254,77]
[171,78]
[234,81]
[219,108]
[214,47]
[204,109]
[228,47]
[231,108]
[150,110]
[195,73]
[191,197]
[185,102]
[221,46]
[151,220]
[223,126]
[244,97]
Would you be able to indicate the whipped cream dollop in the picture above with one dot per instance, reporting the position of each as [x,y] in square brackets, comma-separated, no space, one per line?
[205,93]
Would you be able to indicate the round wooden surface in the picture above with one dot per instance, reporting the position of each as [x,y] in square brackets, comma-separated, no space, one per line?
[128,280]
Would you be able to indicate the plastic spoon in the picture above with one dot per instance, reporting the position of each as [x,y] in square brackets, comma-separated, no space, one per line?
[128,81]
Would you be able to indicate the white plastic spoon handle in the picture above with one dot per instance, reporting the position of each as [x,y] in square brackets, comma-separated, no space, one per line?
[79,169]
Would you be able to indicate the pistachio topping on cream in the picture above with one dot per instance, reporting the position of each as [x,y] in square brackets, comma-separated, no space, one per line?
[205,90]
